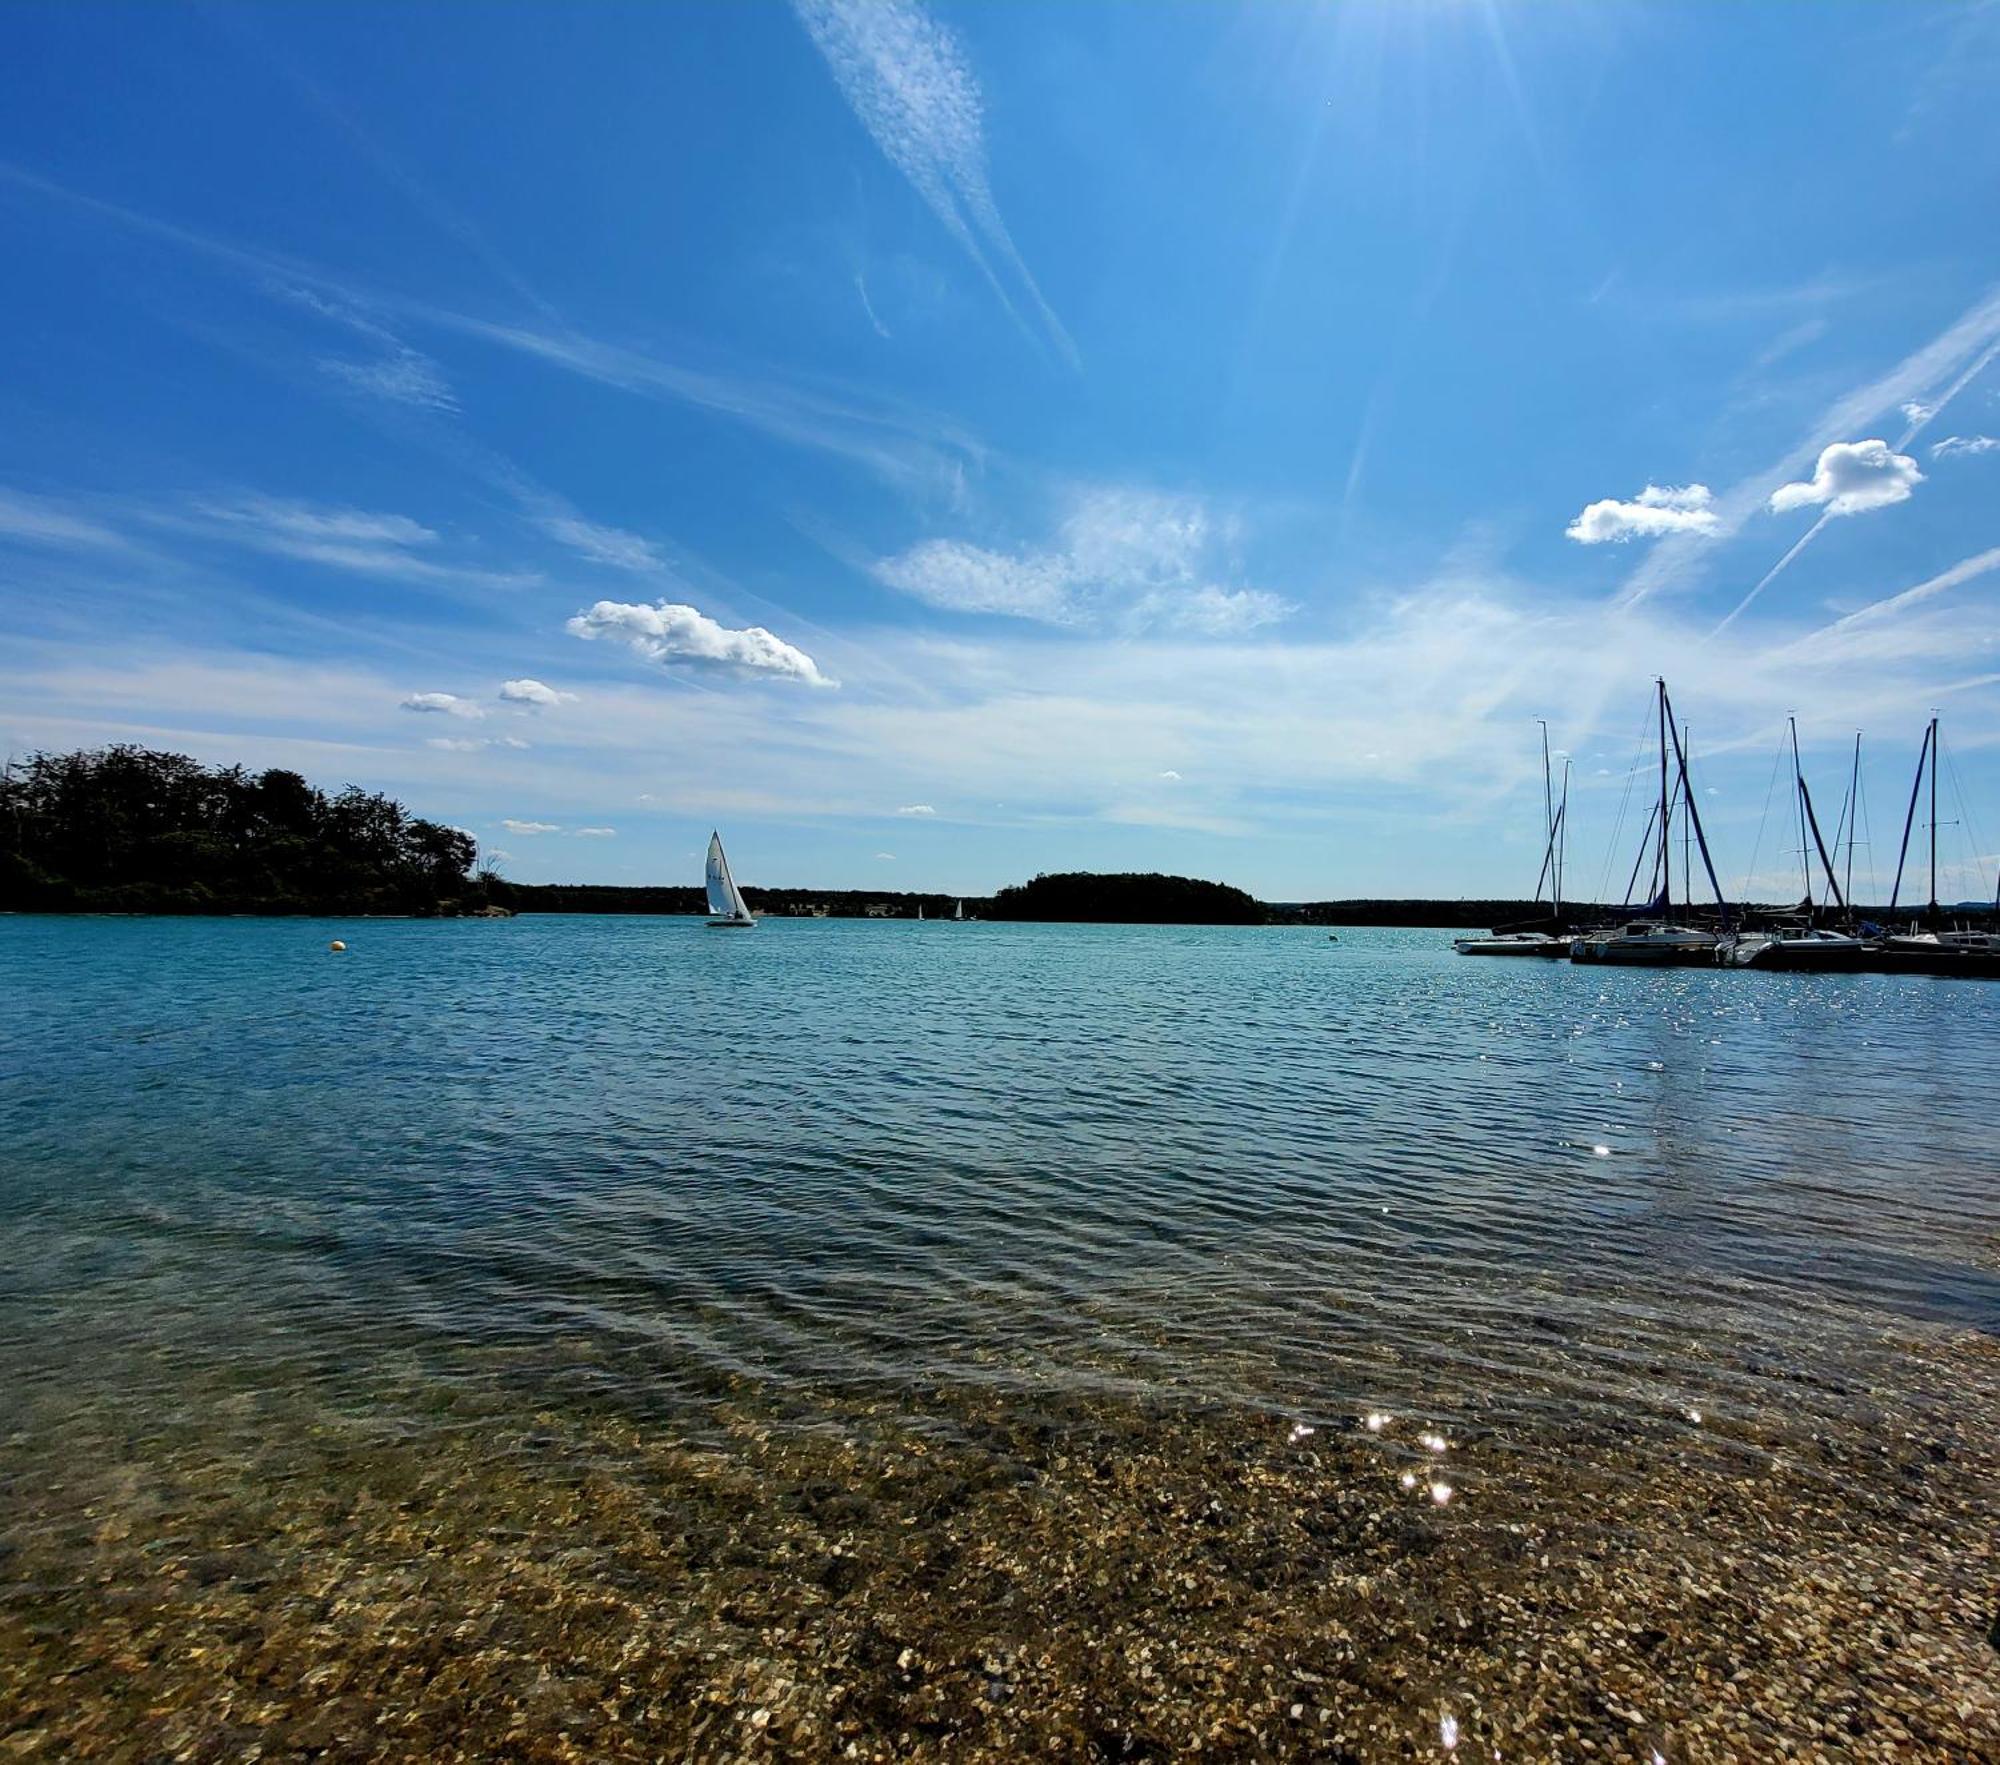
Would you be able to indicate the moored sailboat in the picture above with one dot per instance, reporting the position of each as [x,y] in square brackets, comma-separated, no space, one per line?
[1527,941]
[1655,940]
[726,906]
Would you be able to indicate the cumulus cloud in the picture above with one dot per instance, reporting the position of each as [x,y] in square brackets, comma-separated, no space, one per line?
[680,636]
[1919,413]
[1851,478]
[1171,776]
[1135,559]
[1655,511]
[533,692]
[530,827]
[1963,444]
[916,809]
[442,704]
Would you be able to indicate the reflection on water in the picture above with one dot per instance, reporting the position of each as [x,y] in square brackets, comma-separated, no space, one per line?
[553,1196]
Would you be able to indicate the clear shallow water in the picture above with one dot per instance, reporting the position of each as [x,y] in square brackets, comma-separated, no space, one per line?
[632,1163]
[607,1338]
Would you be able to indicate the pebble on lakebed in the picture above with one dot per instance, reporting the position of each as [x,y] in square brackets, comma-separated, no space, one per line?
[999,1578]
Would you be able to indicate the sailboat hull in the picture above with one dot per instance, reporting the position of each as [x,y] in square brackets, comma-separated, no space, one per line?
[731,925]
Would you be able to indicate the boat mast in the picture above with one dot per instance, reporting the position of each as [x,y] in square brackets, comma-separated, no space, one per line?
[1666,811]
[1687,824]
[1934,772]
[1562,843]
[1799,804]
[1910,814]
[1853,817]
[1548,802]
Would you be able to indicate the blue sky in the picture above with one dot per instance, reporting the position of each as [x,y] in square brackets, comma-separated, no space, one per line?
[938,444]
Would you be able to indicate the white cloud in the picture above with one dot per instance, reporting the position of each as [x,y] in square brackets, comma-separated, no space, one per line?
[305,521]
[453,744]
[916,809]
[530,827]
[403,376]
[1918,413]
[671,634]
[913,91]
[46,523]
[1171,776]
[886,857]
[358,540]
[1136,559]
[444,704]
[1851,478]
[533,692]
[612,546]
[1655,511]
[1963,444]
[594,833]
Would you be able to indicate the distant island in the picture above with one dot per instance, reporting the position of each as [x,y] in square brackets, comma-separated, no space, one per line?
[1128,898]
[128,830]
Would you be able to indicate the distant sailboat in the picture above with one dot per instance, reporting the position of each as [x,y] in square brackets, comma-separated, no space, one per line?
[958,912]
[920,910]
[725,900]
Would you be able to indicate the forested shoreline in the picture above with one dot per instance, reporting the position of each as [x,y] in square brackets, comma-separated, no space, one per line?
[125,829]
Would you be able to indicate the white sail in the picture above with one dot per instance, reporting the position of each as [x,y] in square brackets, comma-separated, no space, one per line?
[958,912]
[725,899]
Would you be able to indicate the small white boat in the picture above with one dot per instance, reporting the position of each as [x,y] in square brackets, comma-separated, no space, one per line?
[1645,943]
[958,911]
[1931,943]
[1792,946]
[1512,944]
[726,905]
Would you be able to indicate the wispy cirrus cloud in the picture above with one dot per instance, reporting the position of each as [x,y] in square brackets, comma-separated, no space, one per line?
[529,827]
[1963,444]
[1132,559]
[1655,511]
[675,635]
[908,82]
[363,541]
[42,522]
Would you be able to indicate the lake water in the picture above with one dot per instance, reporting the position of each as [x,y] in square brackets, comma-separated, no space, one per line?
[531,1203]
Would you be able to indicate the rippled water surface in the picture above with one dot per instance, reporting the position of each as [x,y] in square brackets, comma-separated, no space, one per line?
[1236,1164]
[470,1179]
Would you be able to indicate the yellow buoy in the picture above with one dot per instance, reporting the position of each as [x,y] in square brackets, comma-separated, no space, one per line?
[336,945]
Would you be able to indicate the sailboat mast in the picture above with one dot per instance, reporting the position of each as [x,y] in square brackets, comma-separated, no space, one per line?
[1799,804]
[1934,773]
[1666,810]
[1853,817]
[1687,823]
[1562,846]
[1910,814]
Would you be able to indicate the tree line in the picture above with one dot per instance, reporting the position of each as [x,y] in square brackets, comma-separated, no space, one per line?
[127,829]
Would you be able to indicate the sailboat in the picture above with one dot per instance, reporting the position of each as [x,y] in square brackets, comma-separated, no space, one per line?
[1528,942]
[1930,937]
[1798,940]
[1655,940]
[726,905]
[958,911]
